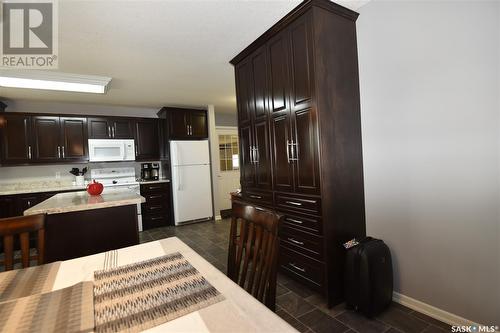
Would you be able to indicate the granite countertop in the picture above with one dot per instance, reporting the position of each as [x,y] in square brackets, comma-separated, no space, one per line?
[38,187]
[81,200]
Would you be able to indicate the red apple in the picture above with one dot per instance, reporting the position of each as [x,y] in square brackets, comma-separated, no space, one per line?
[95,188]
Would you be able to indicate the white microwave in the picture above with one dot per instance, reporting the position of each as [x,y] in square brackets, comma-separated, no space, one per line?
[108,150]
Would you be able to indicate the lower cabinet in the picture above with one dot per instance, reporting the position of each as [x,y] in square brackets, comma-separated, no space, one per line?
[156,210]
[16,204]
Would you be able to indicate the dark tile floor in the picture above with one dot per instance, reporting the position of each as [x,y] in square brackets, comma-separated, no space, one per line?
[302,308]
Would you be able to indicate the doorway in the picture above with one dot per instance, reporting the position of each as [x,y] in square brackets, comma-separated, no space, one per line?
[229,170]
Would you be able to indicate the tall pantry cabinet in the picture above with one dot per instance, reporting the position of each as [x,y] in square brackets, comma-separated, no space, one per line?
[300,136]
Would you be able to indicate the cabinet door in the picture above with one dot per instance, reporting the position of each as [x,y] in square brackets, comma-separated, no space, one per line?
[243,92]
[247,167]
[278,73]
[7,207]
[305,152]
[301,63]
[259,80]
[16,144]
[263,175]
[147,140]
[23,202]
[178,123]
[121,129]
[99,128]
[282,165]
[46,141]
[74,139]
[199,124]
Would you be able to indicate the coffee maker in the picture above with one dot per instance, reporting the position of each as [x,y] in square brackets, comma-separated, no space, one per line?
[150,171]
[155,171]
[146,171]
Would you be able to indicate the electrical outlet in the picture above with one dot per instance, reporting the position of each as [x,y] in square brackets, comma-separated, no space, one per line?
[58,175]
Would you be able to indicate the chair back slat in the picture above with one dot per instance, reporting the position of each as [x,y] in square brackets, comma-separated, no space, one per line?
[24,238]
[253,250]
[22,226]
[8,249]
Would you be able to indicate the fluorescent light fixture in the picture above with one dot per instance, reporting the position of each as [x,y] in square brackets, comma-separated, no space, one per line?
[46,80]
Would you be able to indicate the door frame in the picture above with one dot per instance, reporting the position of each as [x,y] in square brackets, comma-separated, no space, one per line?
[233,130]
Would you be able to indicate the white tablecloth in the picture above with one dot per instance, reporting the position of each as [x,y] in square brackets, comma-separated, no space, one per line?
[239,312]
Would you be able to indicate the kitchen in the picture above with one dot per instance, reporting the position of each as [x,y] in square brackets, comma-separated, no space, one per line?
[123,154]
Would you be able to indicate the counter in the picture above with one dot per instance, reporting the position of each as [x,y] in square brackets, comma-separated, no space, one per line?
[78,224]
[38,187]
[78,201]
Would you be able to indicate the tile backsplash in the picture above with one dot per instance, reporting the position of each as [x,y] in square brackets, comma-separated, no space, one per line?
[31,173]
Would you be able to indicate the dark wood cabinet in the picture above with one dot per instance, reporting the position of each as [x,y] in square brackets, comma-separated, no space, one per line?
[147,139]
[46,139]
[73,138]
[299,124]
[7,207]
[43,139]
[59,139]
[15,131]
[253,121]
[156,210]
[185,124]
[110,128]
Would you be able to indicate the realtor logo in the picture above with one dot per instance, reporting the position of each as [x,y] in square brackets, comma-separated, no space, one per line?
[29,34]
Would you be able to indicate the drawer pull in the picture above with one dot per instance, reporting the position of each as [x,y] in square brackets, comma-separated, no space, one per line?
[156,218]
[294,220]
[297,267]
[154,196]
[154,207]
[294,203]
[154,187]
[255,196]
[295,241]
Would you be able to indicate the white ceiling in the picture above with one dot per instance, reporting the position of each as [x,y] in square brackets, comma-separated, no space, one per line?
[159,52]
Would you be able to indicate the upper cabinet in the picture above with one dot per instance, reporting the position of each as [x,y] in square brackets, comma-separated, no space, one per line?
[185,124]
[43,139]
[147,141]
[110,128]
[15,131]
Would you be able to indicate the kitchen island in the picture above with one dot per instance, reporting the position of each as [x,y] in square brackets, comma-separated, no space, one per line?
[78,224]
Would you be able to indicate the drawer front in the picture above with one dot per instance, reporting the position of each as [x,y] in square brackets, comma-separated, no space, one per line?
[311,205]
[154,187]
[154,221]
[302,242]
[259,198]
[310,223]
[307,270]
[152,198]
[153,208]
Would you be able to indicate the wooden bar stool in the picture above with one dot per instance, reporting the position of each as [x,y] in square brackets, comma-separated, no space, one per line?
[22,226]
[253,251]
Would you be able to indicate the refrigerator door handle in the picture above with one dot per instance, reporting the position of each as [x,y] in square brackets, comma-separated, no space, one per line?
[178,179]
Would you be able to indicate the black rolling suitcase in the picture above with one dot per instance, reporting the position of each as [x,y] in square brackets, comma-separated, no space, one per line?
[368,276]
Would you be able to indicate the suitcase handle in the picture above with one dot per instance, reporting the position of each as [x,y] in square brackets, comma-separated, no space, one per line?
[297,267]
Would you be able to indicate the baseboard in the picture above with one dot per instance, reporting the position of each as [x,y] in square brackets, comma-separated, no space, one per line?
[217,218]
[432,311]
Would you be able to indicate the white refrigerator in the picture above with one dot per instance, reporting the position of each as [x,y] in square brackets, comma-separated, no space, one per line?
[191,181]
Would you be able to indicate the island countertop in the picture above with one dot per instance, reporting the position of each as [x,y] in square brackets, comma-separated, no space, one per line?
[78,201]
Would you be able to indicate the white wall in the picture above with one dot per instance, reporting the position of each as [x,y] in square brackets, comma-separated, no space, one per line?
[429,74]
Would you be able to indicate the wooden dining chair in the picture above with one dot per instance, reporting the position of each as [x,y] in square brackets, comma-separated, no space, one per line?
[22,226]
[253,251]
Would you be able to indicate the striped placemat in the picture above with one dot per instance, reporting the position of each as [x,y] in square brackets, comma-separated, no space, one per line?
[142,295]
[64,310]
[28,281]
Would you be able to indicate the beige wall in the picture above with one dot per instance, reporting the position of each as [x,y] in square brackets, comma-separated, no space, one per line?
[429,74]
